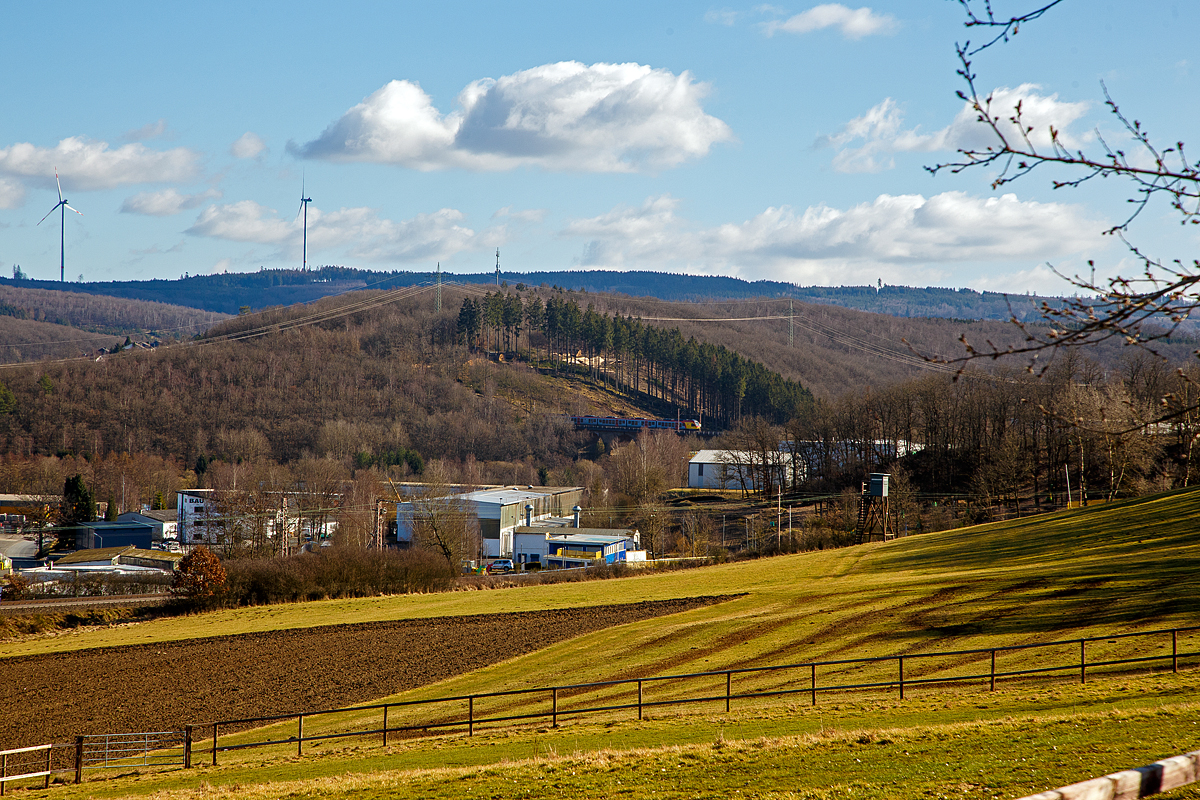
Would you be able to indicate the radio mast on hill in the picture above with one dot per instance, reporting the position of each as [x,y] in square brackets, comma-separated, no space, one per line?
[497,267]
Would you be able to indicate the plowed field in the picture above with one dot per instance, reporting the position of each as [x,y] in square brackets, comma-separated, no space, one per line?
[158,687]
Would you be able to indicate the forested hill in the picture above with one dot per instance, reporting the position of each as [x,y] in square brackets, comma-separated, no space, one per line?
[229,293]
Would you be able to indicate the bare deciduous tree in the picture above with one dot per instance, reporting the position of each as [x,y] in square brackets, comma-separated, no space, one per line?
[1138,309]
[647,467]
[442,521]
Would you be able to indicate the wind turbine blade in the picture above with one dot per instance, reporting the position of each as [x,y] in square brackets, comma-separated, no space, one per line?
[56,180]
[80,213]
[298,211]
[51,211]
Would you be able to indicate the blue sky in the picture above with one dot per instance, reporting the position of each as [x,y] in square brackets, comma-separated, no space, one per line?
[779,142]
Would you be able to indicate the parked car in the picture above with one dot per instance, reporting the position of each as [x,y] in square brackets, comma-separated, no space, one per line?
[501,566]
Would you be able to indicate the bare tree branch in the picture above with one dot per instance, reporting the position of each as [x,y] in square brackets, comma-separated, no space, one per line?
[1139,309]
[1007,27]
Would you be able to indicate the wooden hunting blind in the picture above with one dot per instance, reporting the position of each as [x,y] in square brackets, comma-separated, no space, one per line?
[874,519]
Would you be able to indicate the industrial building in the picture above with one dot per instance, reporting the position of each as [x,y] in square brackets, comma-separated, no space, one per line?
[164,522]
[737,469]
[96,535]
[564,548]
[499,511]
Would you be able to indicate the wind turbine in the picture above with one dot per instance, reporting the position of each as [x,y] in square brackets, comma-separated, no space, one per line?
[62,236]
[304,201]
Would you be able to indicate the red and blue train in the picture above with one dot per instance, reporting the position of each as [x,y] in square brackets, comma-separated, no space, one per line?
[590,423]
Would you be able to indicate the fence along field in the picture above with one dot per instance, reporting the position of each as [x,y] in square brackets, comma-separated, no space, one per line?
[1067,577]
[1161,648]
[1167,649]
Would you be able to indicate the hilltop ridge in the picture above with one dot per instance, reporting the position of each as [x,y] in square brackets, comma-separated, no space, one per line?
[227,293]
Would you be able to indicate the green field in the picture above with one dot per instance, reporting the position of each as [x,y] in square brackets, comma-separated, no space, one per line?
[1116,568]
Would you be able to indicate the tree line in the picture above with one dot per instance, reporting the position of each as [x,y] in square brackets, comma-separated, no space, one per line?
[701,379]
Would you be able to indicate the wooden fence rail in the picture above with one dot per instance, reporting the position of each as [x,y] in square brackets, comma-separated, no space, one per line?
[1130,784]
[468,718]
[463,712]
[25,758]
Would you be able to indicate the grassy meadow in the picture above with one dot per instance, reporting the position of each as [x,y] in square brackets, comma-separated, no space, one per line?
[1117,568]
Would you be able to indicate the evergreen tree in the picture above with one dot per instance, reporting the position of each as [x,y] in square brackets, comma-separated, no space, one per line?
[77,506]
[8,400]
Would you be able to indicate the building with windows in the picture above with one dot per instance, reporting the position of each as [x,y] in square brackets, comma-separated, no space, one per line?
[564,548]
[498,510]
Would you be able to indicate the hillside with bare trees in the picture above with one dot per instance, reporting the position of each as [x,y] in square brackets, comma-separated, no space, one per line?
[346,391]
[37,324]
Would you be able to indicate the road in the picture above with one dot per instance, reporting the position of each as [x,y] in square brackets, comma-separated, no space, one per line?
[22,551]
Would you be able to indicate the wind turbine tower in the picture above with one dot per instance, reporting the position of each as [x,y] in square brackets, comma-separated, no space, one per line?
[304,201]
[62,235]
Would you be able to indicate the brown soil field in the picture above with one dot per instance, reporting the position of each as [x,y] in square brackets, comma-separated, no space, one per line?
[158,687]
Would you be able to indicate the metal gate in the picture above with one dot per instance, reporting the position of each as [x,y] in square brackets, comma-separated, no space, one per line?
[126,750]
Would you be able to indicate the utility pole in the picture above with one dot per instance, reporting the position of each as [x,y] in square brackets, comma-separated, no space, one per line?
[377,538]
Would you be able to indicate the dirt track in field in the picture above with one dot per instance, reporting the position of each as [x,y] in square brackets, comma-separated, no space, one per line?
[158,687]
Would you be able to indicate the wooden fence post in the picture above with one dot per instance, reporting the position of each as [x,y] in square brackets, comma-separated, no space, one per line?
[187,747]
[639,700]
[78,759]
[1174,651]
[814,683]
[299,734]
[554,708]
[471,715]
[728,683]
[3,772]
[385,710]
[993,669]
[1082,661]
[49,753]
[215,727]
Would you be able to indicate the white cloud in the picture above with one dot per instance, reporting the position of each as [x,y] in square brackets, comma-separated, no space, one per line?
[166,202]
[12,194]
[531,215]
[155,250]
[85,164]
[721,17]
[565,116]
[248,145]
[1039,279]
[854,23]
[881,131]
[906,233]
[152,130]
[363,233]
